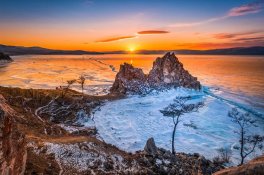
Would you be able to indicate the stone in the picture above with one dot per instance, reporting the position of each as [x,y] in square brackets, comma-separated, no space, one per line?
[150,147]
[166,72]
[5,58]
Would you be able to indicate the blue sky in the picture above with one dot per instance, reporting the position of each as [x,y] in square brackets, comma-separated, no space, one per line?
[121,18]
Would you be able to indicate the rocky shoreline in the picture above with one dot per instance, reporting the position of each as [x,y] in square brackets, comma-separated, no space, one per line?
[41,133]
[51,149]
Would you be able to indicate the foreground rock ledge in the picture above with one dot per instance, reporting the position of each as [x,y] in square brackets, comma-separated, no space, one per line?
[166,72]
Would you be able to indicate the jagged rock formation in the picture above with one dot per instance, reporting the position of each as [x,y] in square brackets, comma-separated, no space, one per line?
[13,152]
[129,79]
[5,58]
[255,166]
[166,72]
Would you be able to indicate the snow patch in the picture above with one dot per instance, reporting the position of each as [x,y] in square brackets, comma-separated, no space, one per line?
[84,156]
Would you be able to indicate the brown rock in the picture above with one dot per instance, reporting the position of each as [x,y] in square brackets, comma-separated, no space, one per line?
[166,72]
[13,152]
[150,147]
[4,57]
[128,79]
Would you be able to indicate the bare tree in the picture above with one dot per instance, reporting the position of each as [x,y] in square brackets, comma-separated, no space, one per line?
[82,81]
[65,90]
[176,110]
[248,143]
[224,156]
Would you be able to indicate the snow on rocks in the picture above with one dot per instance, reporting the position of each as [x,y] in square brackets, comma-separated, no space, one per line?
[85,157]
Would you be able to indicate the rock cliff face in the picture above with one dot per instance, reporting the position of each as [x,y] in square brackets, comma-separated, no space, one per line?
[166,72]
[13,152]
[5,58]
[129,79]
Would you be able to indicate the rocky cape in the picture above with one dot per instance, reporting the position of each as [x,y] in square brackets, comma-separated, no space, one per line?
[5,58]
[166,72]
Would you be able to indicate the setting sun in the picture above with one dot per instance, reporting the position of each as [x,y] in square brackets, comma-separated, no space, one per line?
[131,49]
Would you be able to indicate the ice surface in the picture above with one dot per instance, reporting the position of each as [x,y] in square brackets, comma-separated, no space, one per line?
[128,123]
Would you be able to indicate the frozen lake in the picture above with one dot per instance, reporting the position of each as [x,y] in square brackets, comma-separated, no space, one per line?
[128,123]
[229,81]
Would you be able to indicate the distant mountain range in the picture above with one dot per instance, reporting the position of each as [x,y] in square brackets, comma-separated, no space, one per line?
[20,50]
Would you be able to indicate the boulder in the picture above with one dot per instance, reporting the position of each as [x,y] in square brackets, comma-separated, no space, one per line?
[5,58]
[150,147]
[166,72]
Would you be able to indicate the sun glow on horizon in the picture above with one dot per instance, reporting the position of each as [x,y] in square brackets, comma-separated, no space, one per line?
[131,49]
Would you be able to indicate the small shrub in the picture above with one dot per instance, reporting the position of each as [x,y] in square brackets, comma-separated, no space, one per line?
[223,157]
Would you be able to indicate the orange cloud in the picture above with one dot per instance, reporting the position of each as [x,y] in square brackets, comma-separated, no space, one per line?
[217,45]
[115,38]
[150,32]
[261,38]
[233,35]
[145,32]
[223,35]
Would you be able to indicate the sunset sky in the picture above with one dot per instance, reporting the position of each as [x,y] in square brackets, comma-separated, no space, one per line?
[109,25]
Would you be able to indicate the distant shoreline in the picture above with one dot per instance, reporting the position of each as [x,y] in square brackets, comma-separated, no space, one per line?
[136,54]
[21,50]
